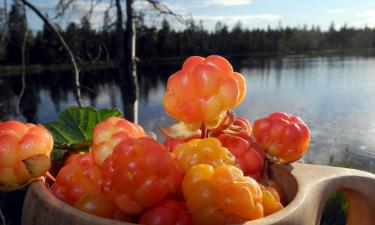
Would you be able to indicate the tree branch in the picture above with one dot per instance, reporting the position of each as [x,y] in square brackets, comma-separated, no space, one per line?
[109,26]
[99,53]
[164,9]
[23,56]
[107,57]
[64,44]
[92,7]
[106,12]
[62,6]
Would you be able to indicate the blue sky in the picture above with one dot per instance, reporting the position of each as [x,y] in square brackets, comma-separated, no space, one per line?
[251,13]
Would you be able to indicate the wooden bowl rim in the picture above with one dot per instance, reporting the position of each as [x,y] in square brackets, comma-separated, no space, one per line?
[314,184]
[41,191]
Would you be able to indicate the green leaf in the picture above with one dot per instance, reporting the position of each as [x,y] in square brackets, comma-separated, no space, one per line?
[75,125]
[104,114]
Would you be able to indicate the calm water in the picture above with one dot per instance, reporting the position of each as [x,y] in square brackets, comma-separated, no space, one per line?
[335,96]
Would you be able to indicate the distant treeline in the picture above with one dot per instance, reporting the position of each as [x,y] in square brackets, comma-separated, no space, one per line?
[89,44]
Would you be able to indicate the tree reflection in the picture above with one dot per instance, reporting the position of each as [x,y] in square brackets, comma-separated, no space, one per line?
[129,95]
[30,101]
[7,100]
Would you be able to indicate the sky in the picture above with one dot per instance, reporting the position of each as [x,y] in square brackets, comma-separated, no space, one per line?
[251,13]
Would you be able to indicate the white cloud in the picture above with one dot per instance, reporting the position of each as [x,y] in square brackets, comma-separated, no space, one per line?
[235,18]
[336,11]
[222,3]
[153,17]
[367,13]
[174,7]
[177,8]
[365,18]
[85,6]
[81,7]
[255,20]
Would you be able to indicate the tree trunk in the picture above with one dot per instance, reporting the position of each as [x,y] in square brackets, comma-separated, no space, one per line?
[23,56]
[128,67]
[119,32]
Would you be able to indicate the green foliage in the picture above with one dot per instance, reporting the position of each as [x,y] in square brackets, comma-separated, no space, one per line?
[73,129]
[75,125]
[336,210]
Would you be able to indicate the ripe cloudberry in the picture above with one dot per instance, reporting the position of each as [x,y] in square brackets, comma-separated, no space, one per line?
[107,134]
[24,153]
[282,135]
[203,89]
[203,151]
[221,195]
[248,153]
[140,174]
[271,201]
[169,212]
[78,177]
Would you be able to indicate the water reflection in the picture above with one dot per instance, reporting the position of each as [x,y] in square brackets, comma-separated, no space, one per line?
[334,95]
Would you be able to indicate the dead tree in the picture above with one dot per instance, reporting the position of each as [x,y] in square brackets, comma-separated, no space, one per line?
[129,81]
[23,55]
[126,47]
[65,46]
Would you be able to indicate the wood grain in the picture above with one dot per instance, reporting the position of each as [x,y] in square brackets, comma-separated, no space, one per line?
[307,188]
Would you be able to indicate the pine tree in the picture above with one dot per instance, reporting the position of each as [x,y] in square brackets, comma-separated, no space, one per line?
[16,26]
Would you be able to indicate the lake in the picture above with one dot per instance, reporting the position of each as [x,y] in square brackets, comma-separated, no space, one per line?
[334,95]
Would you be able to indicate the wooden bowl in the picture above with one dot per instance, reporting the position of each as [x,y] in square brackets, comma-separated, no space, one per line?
[307,188]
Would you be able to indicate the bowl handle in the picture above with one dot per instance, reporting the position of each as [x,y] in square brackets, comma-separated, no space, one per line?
[314,185]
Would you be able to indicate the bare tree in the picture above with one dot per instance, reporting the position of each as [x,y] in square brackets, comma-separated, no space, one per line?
[129,63]
[126,46]
[130,81]
[64,44]
[23,56]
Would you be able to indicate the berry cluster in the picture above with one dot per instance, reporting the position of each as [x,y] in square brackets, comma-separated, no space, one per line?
[209,170]
[126,173]
[24,153]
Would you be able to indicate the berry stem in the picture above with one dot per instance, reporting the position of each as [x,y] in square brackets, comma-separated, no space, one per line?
[49,179]
[204,131]
[265,170]
[276,160]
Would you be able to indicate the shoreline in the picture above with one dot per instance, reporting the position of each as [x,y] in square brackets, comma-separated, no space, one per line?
[11,70]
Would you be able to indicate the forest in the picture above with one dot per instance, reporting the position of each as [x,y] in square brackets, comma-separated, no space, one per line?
[93,45]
